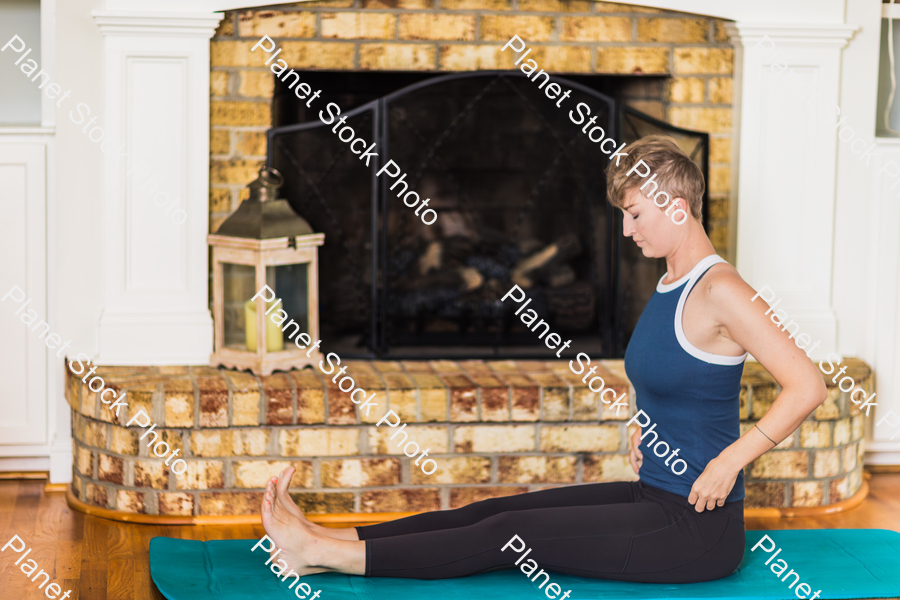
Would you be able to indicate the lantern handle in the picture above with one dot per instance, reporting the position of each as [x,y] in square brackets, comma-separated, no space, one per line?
[271,177]
[265,187]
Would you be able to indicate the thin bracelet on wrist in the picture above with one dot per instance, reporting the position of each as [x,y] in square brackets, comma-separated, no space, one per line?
[764,433]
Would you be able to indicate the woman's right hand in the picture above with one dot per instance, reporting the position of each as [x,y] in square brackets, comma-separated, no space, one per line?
[635,456]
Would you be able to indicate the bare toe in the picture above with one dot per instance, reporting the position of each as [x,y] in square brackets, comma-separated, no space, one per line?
[284,481]
[284,498]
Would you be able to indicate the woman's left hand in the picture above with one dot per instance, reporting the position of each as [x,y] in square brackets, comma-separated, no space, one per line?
[713,485]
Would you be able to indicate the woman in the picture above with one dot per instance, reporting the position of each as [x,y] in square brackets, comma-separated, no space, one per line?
[685,361]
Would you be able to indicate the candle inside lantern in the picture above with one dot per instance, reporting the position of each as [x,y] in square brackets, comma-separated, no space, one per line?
[274,339]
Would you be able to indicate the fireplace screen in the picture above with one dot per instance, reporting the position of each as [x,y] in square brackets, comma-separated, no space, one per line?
[520,194]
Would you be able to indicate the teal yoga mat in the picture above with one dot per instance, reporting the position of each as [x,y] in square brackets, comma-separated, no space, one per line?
[843,563]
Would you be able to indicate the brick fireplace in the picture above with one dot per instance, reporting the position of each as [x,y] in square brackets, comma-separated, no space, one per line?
[496,427]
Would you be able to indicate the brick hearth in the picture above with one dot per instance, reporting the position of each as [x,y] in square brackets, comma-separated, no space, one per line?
[495,428]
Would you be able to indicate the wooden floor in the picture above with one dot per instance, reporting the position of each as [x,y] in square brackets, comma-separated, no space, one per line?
[107,560]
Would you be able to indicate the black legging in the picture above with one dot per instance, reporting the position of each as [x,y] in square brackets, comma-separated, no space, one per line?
[627,531]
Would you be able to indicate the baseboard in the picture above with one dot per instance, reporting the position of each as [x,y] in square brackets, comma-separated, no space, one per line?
[882,453]
[24,464]
[61,460]
[361,519]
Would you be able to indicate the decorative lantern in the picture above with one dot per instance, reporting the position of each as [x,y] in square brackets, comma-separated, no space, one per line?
[265,284]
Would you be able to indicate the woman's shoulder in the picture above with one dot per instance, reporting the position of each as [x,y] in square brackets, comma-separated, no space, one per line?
[724,287]
[723,271]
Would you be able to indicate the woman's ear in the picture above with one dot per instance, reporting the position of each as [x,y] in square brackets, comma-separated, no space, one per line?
[675,204]
[678,205]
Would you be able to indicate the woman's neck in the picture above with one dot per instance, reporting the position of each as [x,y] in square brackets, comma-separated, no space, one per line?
[692,249]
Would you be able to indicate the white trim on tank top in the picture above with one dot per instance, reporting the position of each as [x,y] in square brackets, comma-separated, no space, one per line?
[692,277]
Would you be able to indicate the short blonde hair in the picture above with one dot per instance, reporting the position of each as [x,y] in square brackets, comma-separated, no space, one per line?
[676,173]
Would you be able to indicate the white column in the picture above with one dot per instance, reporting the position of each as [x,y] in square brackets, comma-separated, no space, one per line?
[156,101]
[787,156]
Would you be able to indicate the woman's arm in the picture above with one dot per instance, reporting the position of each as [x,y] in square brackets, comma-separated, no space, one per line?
[803,388]
[635,456]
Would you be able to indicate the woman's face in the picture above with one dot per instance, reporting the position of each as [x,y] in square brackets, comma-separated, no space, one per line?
[648,225]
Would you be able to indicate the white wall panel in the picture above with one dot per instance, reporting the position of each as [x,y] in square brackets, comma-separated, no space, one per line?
[23,367]
[155,244]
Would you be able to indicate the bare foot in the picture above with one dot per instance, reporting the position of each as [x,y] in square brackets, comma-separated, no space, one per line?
[299,546]
[278,487]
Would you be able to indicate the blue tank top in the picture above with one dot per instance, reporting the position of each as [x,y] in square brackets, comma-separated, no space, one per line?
[692,396]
